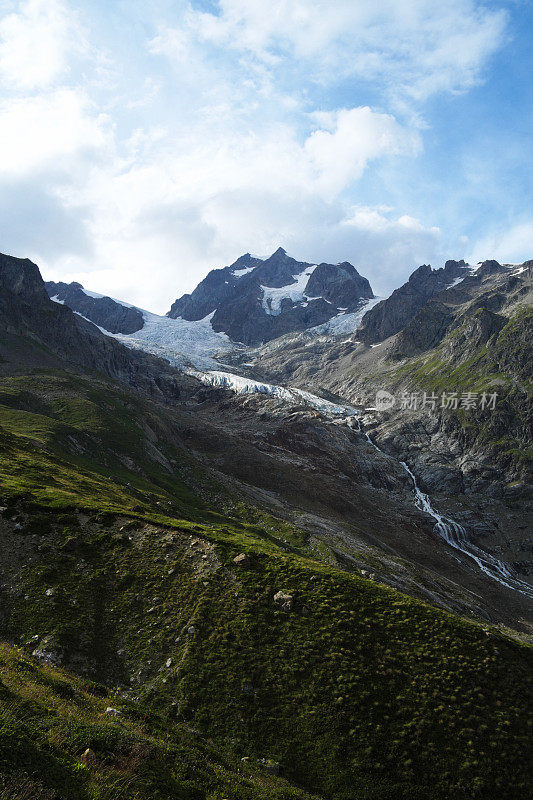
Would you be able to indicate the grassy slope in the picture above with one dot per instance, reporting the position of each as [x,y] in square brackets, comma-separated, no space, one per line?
[359,691]
[48,719]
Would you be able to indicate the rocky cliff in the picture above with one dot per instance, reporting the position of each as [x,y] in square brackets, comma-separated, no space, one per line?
[254,301]
[103,311]
[394,313]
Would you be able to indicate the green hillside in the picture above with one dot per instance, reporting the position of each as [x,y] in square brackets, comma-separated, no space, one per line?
[119,563]
[49,720]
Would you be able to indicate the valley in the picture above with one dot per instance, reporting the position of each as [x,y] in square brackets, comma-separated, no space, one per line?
[235,550]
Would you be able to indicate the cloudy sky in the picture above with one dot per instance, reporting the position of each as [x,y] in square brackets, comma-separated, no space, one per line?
[142,144]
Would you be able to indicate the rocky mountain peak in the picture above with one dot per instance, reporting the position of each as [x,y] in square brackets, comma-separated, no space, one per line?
[455,267]
[490,267]
[21,277]
[255,300]
[105,312]
[422,272]
[393,314]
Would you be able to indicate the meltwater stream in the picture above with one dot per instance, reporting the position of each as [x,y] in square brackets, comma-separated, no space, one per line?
[452,533]
[455,535]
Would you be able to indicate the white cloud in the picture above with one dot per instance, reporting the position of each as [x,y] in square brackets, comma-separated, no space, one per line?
[212,143]
[46,131]
[356,136]
[35,42]
[181,206]
[389,248]
[513,245]
[416,47]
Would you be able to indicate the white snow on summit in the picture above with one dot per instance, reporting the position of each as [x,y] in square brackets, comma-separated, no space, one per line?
[272,295]
[238,273]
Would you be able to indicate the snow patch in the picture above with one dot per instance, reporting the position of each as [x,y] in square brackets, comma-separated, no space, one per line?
[345,323]
[456,281]
[238,273]
[460,279]
[272,295]
[518,269]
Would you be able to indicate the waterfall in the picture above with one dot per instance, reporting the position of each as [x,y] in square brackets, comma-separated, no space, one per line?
[453,533]
[449,530]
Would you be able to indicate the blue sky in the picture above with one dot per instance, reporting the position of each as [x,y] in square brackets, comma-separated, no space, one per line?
[143,144]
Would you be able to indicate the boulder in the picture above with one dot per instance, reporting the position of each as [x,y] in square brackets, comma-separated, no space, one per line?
[284,600]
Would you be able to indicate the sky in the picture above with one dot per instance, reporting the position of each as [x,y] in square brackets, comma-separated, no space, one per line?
[143,144]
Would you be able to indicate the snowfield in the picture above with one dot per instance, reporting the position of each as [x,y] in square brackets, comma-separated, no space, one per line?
[184,344]
[345,323]
[272,295]
[238,273]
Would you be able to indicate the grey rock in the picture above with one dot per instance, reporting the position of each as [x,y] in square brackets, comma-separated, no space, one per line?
[48,652]
[237,299]
[113,712]
[394,313]
[103,311]
[88,756]
[284,600]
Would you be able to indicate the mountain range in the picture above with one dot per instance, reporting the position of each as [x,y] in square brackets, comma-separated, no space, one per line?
[274,544]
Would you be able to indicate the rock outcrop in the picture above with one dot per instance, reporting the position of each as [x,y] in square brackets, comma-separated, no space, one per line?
[394,313]
[255,301]
[103,311]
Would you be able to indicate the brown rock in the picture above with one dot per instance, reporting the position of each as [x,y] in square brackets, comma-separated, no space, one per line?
[88,757]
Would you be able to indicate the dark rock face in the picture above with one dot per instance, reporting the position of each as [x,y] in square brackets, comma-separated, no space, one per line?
[490,267]
[424,331]
[394,313]
[216,288]
[342,284]
[235,295]
[20,277]
[103,311]
[37,332]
